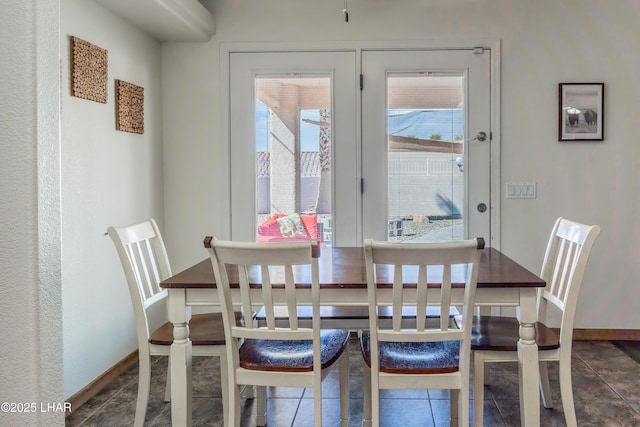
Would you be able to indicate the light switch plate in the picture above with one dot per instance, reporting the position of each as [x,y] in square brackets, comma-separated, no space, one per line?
[521,190]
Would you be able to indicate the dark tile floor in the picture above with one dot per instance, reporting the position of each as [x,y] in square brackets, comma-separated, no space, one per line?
[606,385]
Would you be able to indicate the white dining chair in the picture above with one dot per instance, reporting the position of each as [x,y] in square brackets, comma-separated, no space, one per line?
[418,356]
[291,354]
[145,263]
[495,338]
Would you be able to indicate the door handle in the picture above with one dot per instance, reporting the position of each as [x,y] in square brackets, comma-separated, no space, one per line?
[480,136]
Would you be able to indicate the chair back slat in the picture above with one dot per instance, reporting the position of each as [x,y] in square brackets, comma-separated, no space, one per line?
[563,268]
[142,256]
[421,299]
[290,291]
[271,270]
[570,256]
[560,276]
[431,266]
[565,259]
[398,294]
[267,296]
[245,292]
[145,264]
[152,265]
[445,295]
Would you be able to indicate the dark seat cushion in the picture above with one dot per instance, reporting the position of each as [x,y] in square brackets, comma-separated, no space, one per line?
[295,356]
[204,329]
[413,357]
[502,334]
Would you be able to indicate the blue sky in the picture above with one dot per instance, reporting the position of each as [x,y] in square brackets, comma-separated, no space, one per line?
[310,133]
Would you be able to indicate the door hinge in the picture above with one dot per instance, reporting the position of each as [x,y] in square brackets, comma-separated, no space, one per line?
[478,50]
[361,81]
[361,185]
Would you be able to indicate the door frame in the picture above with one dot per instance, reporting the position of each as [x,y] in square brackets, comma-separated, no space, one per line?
[223,148]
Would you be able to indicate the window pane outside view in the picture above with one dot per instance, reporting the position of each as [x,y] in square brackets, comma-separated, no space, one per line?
[425,139]
[425,126]
[293,159]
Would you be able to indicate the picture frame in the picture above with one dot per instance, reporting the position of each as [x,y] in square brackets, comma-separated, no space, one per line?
[581,112]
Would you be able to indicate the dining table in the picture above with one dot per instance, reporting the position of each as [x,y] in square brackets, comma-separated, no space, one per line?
[502,282]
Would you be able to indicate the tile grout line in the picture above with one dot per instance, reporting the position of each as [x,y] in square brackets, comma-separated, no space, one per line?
[597,373]
[104,404]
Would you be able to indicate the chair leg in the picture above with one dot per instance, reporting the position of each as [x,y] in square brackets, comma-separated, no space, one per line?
[344,388]
[366,380]
[454,406]
[545,387]
[478,388]
[463,405]
[485,373]
[566,390]
[261,406]
[167,388]
[317,402]
[144,384]
[224,387]
[375,399]
[235,402]
[248,392]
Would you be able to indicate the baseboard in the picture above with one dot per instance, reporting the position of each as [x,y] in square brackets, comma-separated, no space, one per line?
[606,334]
[102,381]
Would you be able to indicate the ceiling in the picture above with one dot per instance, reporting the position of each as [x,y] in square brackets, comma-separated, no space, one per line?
[166,20]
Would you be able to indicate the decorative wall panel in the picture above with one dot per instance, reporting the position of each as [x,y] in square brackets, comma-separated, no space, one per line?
[89,65]
[129,107]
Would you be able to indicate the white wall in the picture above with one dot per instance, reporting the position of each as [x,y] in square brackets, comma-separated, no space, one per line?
[31,339]
[109,177]
[544,43]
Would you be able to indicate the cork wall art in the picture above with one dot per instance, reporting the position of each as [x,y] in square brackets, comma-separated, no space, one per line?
[129,107]
[88,70]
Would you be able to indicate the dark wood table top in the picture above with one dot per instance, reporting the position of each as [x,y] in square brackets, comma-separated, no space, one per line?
[345,268]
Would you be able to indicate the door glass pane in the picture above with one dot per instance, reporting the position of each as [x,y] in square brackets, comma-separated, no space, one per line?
[293,158]
[425,158]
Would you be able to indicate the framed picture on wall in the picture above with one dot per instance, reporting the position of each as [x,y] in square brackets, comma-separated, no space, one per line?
[581,112]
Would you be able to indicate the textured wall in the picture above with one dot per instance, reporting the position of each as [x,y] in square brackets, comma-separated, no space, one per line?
[19,195]
[30,359]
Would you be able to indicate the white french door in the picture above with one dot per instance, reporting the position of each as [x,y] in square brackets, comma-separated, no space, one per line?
[401,159]
[426,117]
[275,170]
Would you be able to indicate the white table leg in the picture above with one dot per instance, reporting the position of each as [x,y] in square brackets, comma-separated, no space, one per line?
[180,354]
[528,369]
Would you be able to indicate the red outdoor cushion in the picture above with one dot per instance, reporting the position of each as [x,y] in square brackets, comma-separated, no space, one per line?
[291,226]
[269,231]
[270,228]
[311,225]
